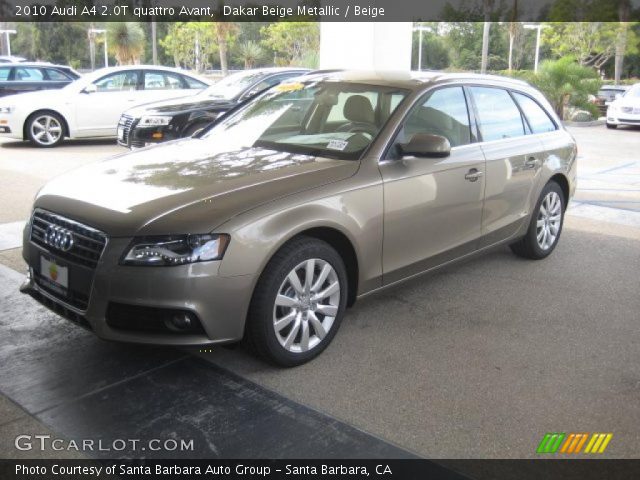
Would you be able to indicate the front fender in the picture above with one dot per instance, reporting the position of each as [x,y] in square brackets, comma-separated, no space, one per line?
[356,214]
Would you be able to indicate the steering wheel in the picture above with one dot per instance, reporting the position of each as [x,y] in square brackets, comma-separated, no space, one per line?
[361,127]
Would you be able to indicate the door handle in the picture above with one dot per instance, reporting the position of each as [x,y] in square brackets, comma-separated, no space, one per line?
[531,163]
[473,175]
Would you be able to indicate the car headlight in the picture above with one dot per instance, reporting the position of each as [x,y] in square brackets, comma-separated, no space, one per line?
[154,120]
[7,109]
[176,249]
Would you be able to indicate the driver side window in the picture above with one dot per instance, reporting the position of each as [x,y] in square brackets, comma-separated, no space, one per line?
[443,113]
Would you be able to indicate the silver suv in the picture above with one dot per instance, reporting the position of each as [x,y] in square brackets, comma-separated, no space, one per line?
[275,219]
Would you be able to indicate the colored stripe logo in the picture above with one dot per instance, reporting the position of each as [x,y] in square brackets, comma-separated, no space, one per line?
[573,443]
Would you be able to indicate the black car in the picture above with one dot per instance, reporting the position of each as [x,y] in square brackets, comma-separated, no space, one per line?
[27,77]
[170,119]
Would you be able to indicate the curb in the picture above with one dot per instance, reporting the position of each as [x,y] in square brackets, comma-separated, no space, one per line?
[593,123]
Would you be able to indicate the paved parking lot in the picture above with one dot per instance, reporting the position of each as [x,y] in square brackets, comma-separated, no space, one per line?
[480,359]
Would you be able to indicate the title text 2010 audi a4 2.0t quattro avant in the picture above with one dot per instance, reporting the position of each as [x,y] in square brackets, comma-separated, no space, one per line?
[272,221]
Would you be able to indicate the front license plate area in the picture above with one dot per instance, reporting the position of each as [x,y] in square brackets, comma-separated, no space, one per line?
[55,275]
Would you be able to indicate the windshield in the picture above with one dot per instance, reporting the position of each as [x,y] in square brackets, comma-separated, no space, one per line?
[232,85]
[329,119]
[633,92]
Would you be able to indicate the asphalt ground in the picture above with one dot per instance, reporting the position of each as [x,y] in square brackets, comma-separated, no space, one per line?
[479,360]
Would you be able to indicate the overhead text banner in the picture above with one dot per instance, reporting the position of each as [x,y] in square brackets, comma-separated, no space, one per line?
[317,10]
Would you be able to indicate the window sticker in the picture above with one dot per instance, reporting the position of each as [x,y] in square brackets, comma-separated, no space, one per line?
[337,145]
[289,87]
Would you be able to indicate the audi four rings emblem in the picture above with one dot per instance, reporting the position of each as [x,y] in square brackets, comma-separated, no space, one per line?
[59,238]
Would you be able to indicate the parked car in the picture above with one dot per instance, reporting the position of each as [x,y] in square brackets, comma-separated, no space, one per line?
[625,109]
[273,220]
[11,59]
[90,107]
[606,95]
[27,77]
[170,119]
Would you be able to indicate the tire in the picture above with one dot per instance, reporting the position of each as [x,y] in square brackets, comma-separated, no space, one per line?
[280,313]
[45,129]
[536,244]
[610,125]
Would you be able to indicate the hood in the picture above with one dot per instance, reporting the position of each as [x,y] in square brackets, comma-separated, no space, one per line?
[179,105]
[628,102]
[183,186]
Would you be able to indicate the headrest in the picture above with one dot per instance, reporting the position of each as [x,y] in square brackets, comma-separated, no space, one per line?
[358,108]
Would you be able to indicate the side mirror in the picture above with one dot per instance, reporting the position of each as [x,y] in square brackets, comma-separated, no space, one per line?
[91,88]
[426,145]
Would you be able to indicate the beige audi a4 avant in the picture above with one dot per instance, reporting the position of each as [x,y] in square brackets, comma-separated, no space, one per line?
[268,224]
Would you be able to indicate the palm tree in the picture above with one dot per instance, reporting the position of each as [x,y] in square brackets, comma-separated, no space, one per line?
[564,80]
[250,52]
[513,31]
[624,11]
[486,8]
[126,42]
[223,31]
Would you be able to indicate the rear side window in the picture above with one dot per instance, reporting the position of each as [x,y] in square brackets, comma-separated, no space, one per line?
[498,116]
[23,74]
[537,118]
[193,83]
[443,113]
[162,81]
[55,75]
[4,74]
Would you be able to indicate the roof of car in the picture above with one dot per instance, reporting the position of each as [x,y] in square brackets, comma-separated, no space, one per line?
[614,87]
[34,64]
[107,70]
[410,80]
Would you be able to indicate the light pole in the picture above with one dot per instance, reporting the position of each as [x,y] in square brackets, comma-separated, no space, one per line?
[420,28]
[7,33]
[539,28]
[97,31]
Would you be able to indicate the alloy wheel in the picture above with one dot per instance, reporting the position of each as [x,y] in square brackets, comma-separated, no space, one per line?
[306,305]
[549,220]
[46,130]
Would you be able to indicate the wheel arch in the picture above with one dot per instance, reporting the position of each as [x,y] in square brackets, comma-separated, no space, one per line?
[343,245]
[65,122]
[563,182]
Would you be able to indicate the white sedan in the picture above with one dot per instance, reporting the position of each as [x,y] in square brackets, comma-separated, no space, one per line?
[625,109]
[91,106]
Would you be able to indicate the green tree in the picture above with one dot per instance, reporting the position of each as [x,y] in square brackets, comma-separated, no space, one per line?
[292,41]
[250,53]
[126,42]
[565,82]
[225,36]
[591,43]
[435,54]
[181,40]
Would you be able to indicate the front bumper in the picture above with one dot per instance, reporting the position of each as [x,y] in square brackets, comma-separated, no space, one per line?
[134,136]
[220,303]
[9,127]
[621,118]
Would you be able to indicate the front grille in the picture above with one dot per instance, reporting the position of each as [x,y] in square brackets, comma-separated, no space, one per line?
[125,122]
[629,120]
[88,242]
